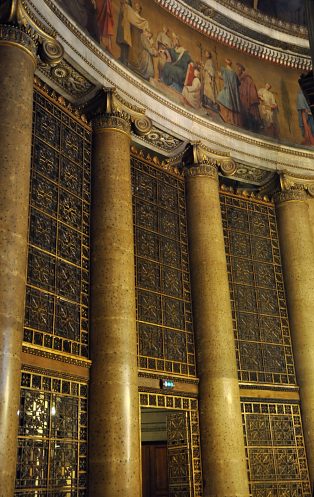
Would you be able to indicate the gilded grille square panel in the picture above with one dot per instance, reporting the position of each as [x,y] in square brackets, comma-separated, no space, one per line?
[52,439]
[258,301]
[58,263]
[165,334]
[275,449]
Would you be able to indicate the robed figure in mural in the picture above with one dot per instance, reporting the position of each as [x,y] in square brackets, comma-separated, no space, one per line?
[306,121]
[128,17]
[251,118]
[269,111]
[174,70]
[105,23]
[229,97]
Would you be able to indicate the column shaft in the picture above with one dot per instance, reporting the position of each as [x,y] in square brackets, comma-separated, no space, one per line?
[222,441]
[16,90]
[114,451]
[297,250]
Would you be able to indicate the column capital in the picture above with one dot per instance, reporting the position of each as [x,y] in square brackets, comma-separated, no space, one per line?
[204,161]
[294,188]
[17,17]
[209,170]
[108,110]
[17,36]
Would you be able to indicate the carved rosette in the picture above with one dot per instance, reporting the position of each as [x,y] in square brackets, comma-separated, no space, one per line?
[115,121]
[204,169]
[17,36]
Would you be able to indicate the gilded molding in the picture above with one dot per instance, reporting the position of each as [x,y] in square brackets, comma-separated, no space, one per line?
[58,356]
[251,13]
[61,102]
[16,36]
[214,30]
[171,164]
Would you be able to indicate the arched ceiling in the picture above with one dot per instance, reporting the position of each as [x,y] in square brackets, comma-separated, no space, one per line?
[89,65]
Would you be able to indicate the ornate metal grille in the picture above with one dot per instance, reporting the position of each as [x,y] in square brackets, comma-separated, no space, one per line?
[164,313]
[275,449]
[192,437]
[260,318]
[57,296]
[52,441]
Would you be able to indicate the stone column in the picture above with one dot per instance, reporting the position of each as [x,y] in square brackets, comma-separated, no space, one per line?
[297,251]
[17,65]
[114,448]
[222,440]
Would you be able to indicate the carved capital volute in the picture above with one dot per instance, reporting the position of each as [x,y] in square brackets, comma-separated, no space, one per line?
[294,188]
[207,162]
[109,110]
[16,15]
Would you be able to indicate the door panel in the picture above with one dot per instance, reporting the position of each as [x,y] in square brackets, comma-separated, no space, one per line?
[154,470]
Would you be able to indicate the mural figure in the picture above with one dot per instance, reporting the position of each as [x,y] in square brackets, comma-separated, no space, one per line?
[146,59]
[192,92]
[229,97]
[163,39]
[105,23]
[128,17]
[306,121]
[251,118]
[210,86]
[153,45]
[269,111]
[174,70]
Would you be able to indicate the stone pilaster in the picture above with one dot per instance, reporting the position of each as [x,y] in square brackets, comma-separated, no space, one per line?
[297,251]
[114,440]
[222,441]
[17,65]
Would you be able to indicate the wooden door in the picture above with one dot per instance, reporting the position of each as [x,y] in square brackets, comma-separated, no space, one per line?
[154,470]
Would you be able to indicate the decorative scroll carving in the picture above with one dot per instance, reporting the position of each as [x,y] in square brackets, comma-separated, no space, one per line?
[18,12]
[109,110]
[294,187]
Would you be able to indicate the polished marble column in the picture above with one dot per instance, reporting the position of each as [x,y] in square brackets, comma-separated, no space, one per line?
[297,251]
[17,65]
[114,439]
[222,440]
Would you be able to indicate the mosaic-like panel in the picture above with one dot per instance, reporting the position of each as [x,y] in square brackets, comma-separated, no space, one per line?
[260,318]
[52,439]
[57,295]
[164,313]
[275,449]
